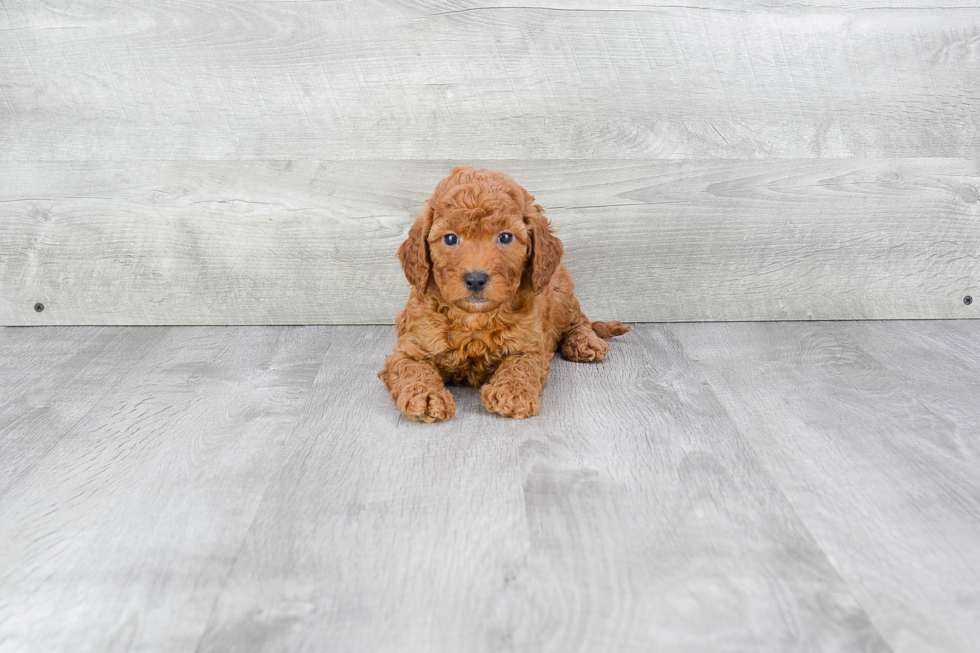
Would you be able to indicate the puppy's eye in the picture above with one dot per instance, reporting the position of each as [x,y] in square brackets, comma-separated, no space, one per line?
[450,239]
[505,238]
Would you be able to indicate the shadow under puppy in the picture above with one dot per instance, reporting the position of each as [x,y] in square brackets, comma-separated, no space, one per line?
[490,301]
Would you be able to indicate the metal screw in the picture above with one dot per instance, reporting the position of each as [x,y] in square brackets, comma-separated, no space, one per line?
[39,307]
[968,300]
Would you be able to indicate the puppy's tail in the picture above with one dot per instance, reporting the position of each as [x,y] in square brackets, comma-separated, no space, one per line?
[610,329]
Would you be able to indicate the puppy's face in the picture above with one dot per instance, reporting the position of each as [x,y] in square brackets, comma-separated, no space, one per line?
[479,246]
[479,239]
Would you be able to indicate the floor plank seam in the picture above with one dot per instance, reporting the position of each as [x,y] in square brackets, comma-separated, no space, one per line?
[761,462]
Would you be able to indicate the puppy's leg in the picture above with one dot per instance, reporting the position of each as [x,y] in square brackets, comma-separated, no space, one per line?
[581,344]
[417,387]
[515,388]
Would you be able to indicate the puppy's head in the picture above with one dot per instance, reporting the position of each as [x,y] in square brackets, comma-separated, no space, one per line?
[480,238]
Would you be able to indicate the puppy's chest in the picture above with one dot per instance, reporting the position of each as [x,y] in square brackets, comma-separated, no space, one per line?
[472,355]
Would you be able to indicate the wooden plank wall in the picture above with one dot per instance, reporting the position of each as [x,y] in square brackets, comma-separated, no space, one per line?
[258,162]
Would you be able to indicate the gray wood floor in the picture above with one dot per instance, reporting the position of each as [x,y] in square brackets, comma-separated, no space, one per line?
[709,487]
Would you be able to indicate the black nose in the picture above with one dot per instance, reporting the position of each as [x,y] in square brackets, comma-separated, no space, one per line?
[475,281]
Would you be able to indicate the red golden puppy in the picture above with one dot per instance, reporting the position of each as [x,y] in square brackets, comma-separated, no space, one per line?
[490,301]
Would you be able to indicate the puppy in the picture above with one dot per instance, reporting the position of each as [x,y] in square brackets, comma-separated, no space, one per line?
[490,302]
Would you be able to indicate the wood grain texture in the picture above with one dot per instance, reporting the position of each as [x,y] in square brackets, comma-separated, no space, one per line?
[258,162]
[592,527]
[642,489]
[283,242]
[709,487]
[35,410]
[149,451]
[879,457]
[937,364]
[114,81]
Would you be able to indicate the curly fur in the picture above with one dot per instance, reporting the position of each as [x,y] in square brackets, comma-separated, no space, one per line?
[502,337]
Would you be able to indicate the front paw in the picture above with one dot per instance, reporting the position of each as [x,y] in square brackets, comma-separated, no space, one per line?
[427,404]
[511,399]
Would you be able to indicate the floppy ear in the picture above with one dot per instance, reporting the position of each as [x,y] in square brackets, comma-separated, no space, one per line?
[414,252]
[546,249]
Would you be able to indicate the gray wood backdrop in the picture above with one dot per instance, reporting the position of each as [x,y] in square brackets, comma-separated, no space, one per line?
[258,162]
